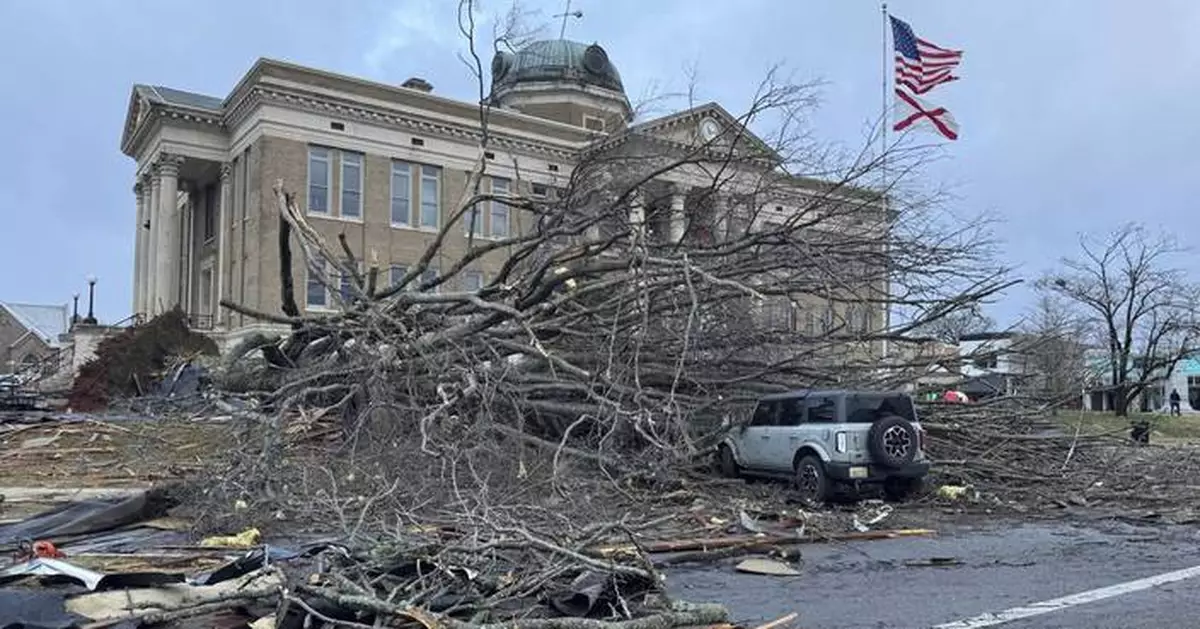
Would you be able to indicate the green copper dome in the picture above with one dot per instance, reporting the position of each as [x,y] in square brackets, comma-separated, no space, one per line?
[555,60]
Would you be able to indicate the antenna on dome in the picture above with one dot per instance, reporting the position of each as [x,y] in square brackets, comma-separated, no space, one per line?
[562,33]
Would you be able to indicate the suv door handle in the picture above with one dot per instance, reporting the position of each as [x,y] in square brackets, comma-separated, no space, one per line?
[794,438]
[765,437]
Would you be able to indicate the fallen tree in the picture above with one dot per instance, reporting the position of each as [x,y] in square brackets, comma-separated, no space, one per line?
[618,338]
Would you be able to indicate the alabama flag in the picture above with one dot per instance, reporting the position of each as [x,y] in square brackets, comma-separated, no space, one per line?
[912,111]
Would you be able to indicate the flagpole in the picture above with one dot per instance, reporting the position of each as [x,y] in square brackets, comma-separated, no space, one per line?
[884,95]
[883,136]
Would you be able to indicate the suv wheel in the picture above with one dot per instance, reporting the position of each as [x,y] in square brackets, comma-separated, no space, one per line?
[729,466]
[812,486]
[892,441]
[898,489]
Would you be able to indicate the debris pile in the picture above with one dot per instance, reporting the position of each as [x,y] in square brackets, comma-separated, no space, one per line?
[124,559]
[129,363]
[1016,455]
[112,559]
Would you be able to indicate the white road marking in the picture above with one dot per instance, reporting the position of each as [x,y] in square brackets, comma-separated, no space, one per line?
[1056,604]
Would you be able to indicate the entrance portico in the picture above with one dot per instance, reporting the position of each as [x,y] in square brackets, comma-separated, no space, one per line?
[180,203]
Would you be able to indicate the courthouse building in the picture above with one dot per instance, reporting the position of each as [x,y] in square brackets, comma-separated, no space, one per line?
[383,164]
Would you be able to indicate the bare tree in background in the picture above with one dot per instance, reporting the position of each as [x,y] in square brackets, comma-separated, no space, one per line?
[1052,346]
[1140,305]
[954,326]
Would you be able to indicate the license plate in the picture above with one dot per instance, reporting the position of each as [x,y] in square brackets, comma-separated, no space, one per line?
[858,472]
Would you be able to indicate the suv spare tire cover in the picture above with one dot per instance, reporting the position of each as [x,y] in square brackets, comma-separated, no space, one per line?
[886,439]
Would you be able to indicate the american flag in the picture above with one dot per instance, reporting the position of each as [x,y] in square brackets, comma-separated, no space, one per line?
[921,65]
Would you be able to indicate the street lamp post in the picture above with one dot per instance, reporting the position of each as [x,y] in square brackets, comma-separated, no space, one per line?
[91,315]
[75,310]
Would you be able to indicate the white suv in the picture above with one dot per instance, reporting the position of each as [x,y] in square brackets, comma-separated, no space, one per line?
[818,438]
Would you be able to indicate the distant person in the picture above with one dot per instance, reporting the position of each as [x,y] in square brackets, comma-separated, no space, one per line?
[1175,400]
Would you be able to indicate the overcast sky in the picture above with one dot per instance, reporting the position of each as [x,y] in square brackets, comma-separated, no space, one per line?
[1076,116]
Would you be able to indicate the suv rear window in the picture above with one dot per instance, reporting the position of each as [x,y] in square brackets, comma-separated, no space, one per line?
[867,408]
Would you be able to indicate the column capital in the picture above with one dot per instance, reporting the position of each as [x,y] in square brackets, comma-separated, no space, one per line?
[226,171]
[168,164]
[138,186]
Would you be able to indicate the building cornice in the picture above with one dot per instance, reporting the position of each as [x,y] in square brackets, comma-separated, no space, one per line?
[158,114]
[302,100]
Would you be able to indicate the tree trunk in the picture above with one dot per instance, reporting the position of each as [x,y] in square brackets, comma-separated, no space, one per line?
[1121,401]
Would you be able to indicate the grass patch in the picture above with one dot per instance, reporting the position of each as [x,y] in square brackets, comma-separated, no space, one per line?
[1182,427]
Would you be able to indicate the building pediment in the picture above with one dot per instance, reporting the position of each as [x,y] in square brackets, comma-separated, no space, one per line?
[148,102]
[709,126]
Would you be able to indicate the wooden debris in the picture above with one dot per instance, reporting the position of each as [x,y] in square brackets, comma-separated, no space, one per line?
[779,622]
[767,567]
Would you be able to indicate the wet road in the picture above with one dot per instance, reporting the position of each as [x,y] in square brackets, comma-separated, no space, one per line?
[1009,577]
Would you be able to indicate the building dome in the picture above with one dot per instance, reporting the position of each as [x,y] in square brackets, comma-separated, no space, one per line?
[556,60]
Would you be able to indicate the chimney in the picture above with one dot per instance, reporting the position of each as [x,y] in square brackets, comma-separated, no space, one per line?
[417,83]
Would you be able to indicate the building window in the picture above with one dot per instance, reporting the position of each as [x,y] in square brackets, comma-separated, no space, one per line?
[499,209]
[210,213]
[315,294]
[346,288]
[592,123]
[428,275]
[396,274]
[352,180]
[856,319]
[472,281]
[430,198]
[401,194]
[987,362]
[318,180]
[540,190]
[206,291]
[473,220]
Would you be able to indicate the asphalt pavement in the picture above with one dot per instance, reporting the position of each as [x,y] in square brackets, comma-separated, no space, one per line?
[1010,575]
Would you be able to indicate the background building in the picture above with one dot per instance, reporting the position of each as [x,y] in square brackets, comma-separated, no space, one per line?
[383,165]
[31,337]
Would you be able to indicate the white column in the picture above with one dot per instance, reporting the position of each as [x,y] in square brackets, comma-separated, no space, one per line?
[169,238]
[678,224]
[721,215]
[222,240]
[637,215]
[139,248]
[153,257]
[144,258]
[188,250]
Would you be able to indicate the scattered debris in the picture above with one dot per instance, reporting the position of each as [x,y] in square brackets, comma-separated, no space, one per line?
[767,567]
[779,622]
[935,562]
[245,539]
[952,492]
[874,512]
